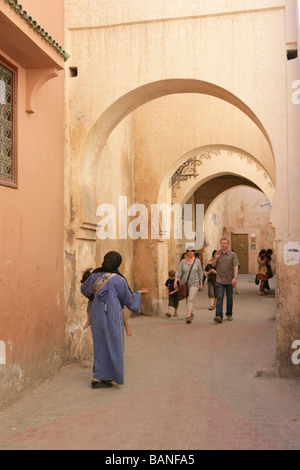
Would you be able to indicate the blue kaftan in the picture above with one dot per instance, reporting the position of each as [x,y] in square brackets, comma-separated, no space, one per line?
[107,323]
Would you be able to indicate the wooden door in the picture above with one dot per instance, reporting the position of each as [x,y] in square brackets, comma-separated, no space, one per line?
[240,244]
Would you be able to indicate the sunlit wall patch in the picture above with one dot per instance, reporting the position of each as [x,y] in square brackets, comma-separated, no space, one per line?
[2,353]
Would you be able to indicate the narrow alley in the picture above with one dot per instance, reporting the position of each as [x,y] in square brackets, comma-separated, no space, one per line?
[199,386]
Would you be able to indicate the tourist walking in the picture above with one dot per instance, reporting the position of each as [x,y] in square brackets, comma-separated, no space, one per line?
[190,269]
[226,263]
[262,271]
[211,274]
[111,293]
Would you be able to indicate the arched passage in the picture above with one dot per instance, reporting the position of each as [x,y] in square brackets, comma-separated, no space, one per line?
[139,131]
[127,104]
[220,168]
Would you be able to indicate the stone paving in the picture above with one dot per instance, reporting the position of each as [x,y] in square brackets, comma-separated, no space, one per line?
[199,386]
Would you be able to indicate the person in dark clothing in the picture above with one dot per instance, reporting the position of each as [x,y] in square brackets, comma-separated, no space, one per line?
[110,292]
[211,274]
[172,294]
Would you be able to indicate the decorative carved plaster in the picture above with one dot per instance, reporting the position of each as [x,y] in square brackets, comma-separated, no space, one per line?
[175,180]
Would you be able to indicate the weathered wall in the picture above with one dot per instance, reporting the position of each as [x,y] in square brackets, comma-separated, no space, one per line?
[288,244]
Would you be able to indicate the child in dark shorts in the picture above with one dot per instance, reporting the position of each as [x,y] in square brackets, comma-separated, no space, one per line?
[172,293]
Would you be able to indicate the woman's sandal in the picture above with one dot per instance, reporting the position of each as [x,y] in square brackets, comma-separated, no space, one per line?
[190,318]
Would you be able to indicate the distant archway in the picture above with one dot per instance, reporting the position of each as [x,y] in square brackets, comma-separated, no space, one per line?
[217,161]
[245,221]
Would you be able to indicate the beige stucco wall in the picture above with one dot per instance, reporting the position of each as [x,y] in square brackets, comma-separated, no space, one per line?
[182,88]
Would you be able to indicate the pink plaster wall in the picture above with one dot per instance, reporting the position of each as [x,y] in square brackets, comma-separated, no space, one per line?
[31,223]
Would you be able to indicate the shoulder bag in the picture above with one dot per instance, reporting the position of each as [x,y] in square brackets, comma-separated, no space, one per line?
[101,281]
[183,289]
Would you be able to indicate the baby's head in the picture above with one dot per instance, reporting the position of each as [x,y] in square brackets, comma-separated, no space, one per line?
[86,274]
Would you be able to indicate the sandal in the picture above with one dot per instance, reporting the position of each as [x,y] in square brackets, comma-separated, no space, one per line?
[190,318]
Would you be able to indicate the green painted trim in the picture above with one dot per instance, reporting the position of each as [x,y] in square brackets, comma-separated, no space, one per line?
[14,4]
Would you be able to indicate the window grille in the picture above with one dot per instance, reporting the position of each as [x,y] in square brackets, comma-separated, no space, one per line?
[7,148]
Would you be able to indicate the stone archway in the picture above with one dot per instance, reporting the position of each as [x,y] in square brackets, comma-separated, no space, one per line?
[218,161]
[127,104]
[112,135]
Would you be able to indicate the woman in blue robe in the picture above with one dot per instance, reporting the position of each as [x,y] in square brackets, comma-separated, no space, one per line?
[110,292]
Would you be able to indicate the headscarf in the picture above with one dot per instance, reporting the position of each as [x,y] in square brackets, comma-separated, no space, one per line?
[111,262]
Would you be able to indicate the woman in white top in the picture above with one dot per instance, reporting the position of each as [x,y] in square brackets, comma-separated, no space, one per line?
[195,281]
